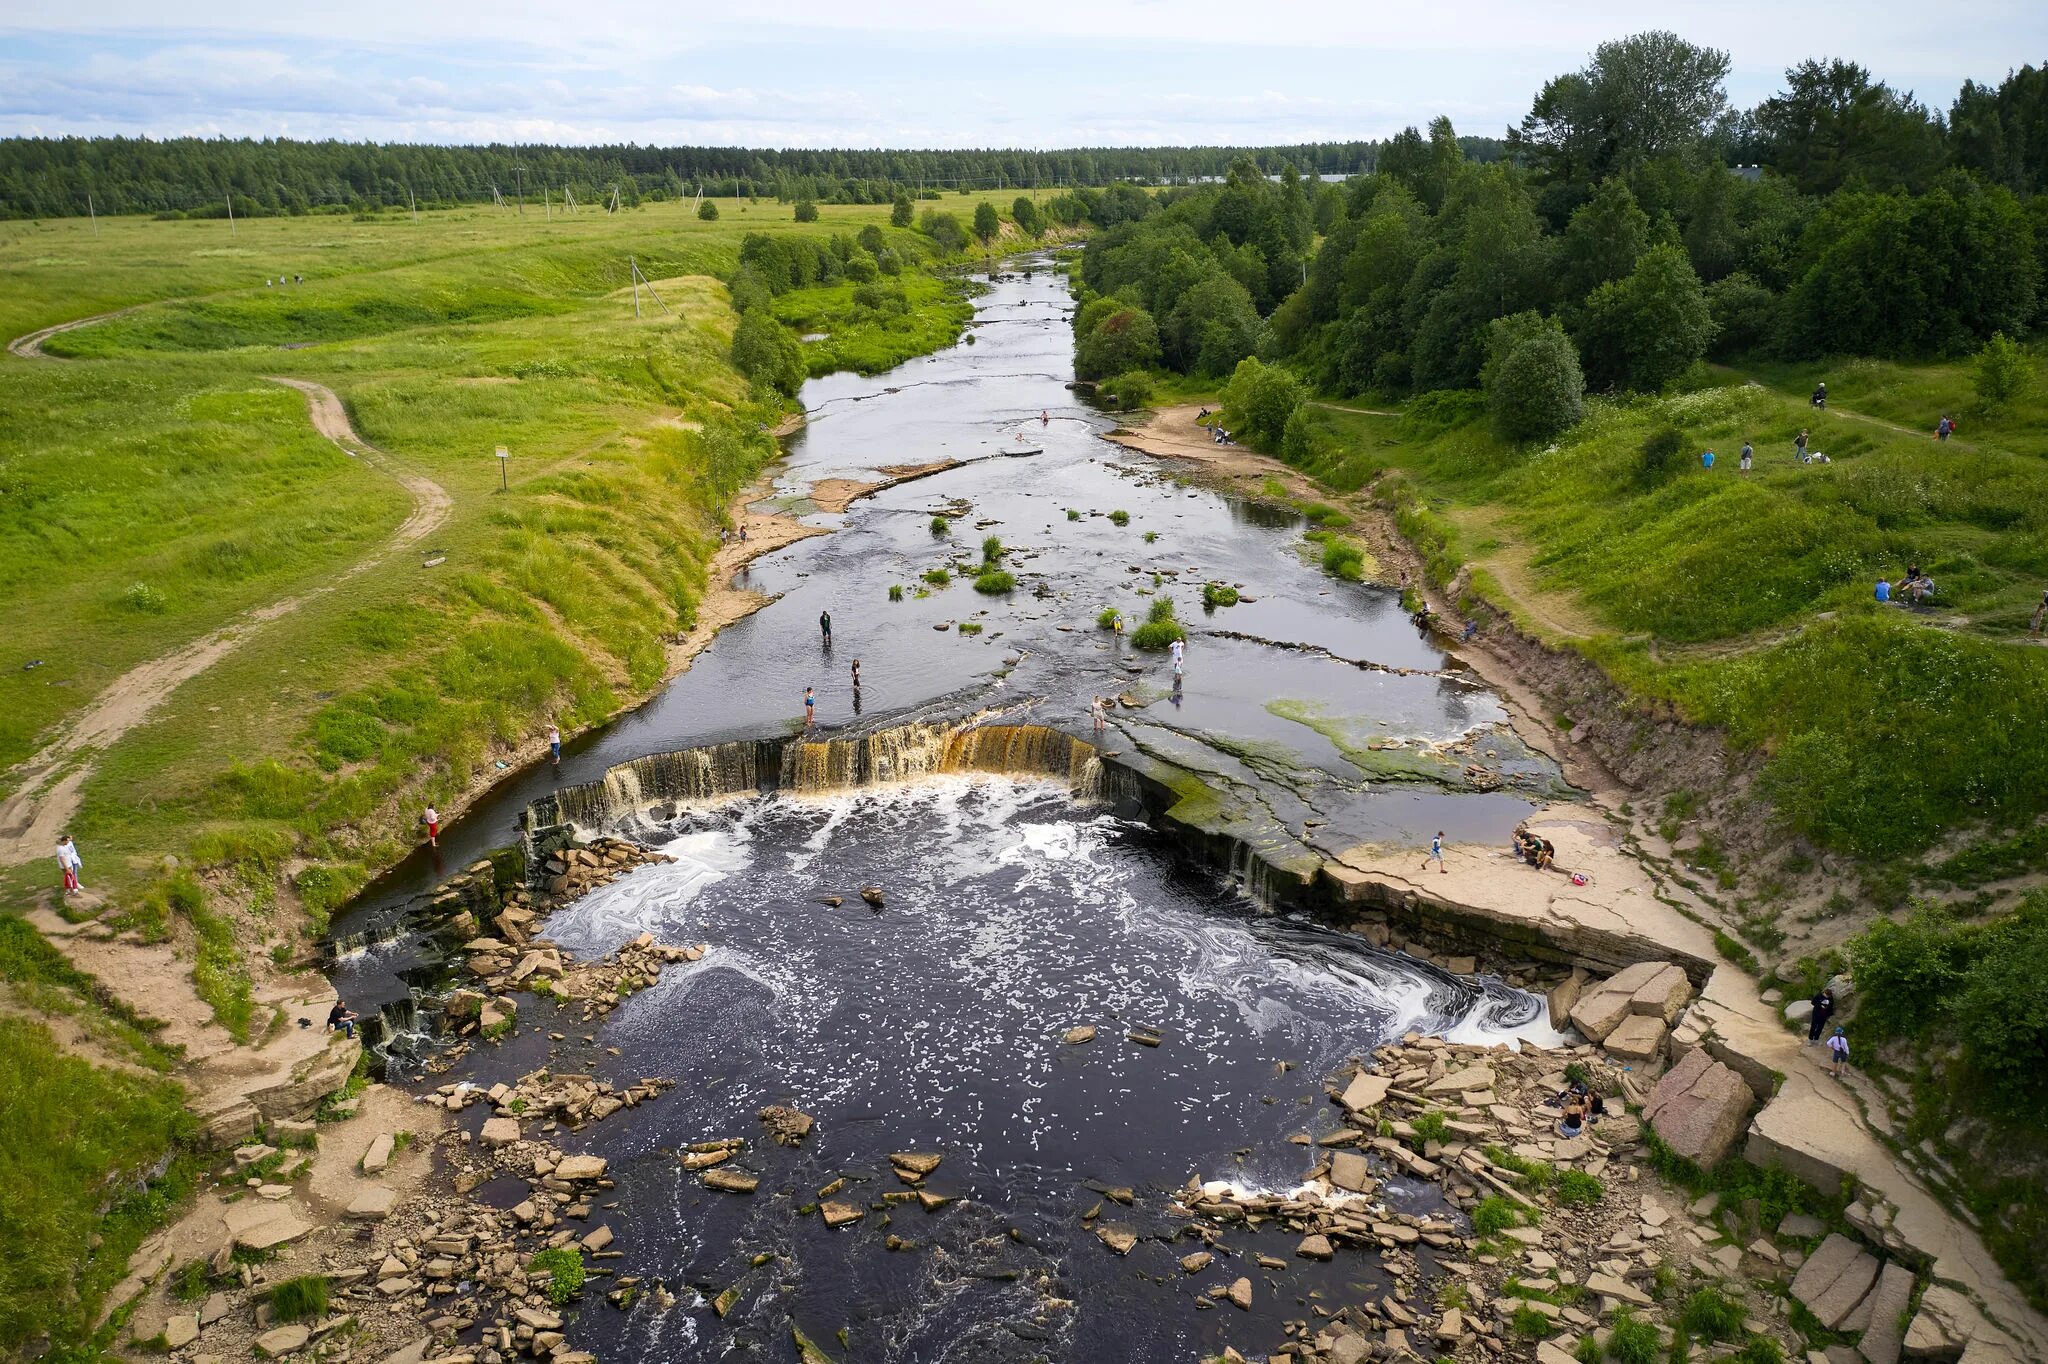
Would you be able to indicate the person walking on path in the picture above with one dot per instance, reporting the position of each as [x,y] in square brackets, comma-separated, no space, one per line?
[810,708]
[1944,428]
[1436,854]
[432,819]
[1748,454]
[1838,1053]
[2040,615]
[68,860]
[1823,1009]
[825,627]
[555,744]
[1178,649]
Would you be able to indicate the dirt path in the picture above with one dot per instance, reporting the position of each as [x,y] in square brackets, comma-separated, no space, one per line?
[48,784]
[30,347]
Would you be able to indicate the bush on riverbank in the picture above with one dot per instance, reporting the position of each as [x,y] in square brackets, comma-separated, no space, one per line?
[995,581]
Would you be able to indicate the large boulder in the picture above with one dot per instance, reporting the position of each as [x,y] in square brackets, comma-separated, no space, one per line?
[1833,1281]
[1885,1336]
[1651,989]
[1699,1108]
[1639,1037]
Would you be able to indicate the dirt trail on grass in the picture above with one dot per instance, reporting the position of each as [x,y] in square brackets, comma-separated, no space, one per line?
[47,785]
[30,347]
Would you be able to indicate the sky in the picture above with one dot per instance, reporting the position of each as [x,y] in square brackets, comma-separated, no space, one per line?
[909,73]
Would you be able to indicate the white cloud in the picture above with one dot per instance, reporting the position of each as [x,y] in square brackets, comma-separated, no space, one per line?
[904,72]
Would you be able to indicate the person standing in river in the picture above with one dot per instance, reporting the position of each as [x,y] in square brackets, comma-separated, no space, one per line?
[1179,647]
[1823,1009]
[810,708]
[432,819]
[555,744]
[825,627]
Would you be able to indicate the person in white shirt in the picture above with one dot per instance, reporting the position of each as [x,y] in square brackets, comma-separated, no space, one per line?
[68,859]
[1178,648]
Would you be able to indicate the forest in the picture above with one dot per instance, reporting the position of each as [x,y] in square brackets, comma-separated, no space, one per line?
[1636,225]
[195,177]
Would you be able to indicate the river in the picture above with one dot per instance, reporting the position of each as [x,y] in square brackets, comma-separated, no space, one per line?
[1014,911]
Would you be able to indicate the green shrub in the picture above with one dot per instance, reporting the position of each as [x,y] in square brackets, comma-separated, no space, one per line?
[1529,1322]
[970,627]
[1710,1316]
[1160,628]
[1663,454]
[1108,619]
[994,581]
[300,1299]
[1907,972]
[895,591]
[707,211]
[1218,594]
[1632,1340]
[1120,517]
[941,526]
[1576,1188]
[992,550]
[1260,398]
[563,1269]
[1494,1215]
[938,577]
[1432,1126]
[2003,373]
[1758,1350]
[1150,536]
[1073,514]
[144,600]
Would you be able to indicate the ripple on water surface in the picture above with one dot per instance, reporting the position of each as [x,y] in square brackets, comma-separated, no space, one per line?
[935,1025]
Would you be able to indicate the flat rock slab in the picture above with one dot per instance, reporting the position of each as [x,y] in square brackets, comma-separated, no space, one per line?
[1834,1280]
[500,1131]
[1349,1171]
[1699,1109]
[264,1226]
[1638,1037]
[379,1155]
[1885,1338]
[839,1214]
[1120,1239]
[373,1205]
[1662,995]
[1366,1090]
[1460,1081]
[730,1181]
[282,1341]
[181,1331]
[1648,989]
[581,1167]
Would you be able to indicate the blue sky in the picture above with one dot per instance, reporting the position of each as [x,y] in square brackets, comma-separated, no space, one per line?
[906,72]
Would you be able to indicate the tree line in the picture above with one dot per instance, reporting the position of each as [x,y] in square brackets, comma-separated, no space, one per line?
[1624,237]
[54,177]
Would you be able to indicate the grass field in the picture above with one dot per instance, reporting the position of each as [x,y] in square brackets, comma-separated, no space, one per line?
[158,488]
[1749,601]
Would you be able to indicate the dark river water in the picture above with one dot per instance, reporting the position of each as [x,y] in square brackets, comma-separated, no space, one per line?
[1013,913]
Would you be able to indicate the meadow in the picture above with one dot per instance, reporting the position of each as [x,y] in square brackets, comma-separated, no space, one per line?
[1749,600]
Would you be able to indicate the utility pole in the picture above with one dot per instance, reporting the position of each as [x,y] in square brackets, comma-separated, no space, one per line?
[519,187]
[92,215]
[412,203]
[231,213]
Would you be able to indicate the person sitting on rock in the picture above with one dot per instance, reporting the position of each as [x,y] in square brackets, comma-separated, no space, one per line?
[341,1017]
[1545,852]
[1573,1122]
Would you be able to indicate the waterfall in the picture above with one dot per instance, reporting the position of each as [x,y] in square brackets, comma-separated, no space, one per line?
[747,767]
